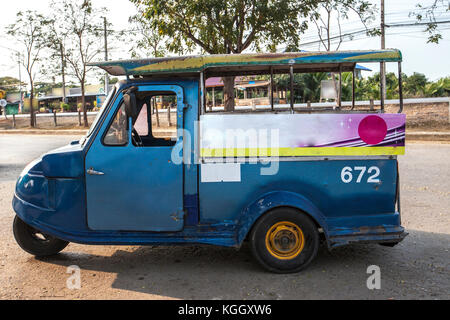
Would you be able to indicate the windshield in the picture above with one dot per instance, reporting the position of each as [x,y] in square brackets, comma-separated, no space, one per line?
[100,113]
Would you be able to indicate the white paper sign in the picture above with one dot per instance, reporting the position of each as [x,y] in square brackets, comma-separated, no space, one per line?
[221,172]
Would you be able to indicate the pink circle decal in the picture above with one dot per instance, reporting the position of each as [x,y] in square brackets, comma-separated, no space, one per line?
[372,130]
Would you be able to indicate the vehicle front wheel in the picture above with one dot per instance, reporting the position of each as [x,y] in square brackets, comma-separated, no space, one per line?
[36,242]
[284,240]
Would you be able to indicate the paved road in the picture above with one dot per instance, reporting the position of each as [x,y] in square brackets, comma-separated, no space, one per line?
[418,268]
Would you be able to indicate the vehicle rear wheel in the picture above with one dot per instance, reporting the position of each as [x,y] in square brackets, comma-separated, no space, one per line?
[36,242]
[284,240]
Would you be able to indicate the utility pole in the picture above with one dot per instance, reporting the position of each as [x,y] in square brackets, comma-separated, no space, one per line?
[383,46]
[106,56]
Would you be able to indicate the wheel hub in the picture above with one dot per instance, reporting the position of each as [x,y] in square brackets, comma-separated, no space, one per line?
[285,240]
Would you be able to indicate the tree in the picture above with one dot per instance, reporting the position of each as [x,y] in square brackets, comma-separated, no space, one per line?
[28,31]
[440,88]
[328,17]
[224,27]
[415,84]
[148,41]
[428,14]
[306,85]
[45,88]
[330,13]
[112,80]
[10,84]
[56,35]
[82,24]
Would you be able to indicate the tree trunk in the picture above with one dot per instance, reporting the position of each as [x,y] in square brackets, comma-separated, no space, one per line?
[83,105]
[63,73]
[228,93]
[32,122]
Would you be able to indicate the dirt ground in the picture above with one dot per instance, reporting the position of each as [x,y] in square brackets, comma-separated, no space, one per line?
[418,268]
[425,117]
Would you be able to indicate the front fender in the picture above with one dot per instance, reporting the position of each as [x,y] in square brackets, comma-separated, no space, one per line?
[274,200]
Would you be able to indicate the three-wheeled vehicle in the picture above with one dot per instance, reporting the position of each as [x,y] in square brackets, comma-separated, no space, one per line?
[282,177]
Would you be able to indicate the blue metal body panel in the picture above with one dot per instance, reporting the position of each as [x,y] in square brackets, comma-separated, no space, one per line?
[144,189]
[65,162]
[141,189]
[314,187]
[190,118]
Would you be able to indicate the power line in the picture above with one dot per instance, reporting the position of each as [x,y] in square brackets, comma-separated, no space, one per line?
[365,31]
[400,23]
[337,37]
[416,24]
[363,37]
[7,48]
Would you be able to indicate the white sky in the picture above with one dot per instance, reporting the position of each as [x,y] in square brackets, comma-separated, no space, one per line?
[430,59]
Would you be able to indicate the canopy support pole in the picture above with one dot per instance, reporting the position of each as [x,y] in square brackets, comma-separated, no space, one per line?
[381,90]
[400,87]
[271,89]
[202,93]
[353,88]
[340,86]
[292,87]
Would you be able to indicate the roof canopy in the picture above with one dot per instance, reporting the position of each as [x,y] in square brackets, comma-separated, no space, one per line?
[258,63]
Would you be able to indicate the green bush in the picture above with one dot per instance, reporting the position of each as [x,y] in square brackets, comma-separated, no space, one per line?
[65,107]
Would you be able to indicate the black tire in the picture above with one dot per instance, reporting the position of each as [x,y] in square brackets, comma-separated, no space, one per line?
[302,255]
[35,242]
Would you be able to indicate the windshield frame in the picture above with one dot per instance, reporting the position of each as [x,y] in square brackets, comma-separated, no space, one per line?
[101,112]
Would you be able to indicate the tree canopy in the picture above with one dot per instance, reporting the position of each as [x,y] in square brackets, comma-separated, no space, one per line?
[224,27]
[148,41]
[10,84]
[28,30]
[427,14]
[329,15]
[81,25]
[218,27]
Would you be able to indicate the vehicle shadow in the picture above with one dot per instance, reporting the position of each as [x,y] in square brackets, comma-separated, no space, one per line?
[207,272]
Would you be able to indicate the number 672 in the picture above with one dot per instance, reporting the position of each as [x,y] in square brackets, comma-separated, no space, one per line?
[347,174]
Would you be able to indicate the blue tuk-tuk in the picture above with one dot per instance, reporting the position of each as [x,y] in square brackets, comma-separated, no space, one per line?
[159,167]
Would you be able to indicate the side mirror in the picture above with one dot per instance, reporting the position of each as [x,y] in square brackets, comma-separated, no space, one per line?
[129,98]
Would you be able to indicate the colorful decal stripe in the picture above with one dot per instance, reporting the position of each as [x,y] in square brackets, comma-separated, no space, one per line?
[301,152]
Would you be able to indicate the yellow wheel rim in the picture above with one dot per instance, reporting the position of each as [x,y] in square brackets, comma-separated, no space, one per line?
[285,240]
